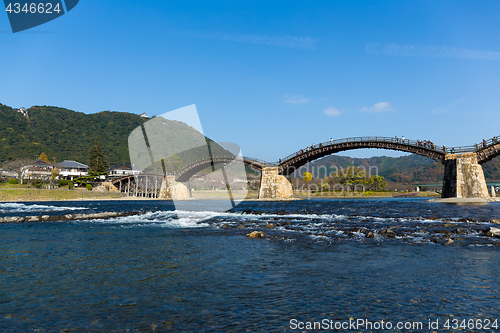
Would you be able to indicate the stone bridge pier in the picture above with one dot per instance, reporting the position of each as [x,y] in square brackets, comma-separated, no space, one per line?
[273,185]
[463,177]
[170,189]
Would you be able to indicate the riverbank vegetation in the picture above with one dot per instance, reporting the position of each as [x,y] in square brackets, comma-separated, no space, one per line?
[25,194]
[365,194]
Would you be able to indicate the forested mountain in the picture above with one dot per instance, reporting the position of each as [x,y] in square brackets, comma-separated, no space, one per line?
[64,134]
[68,135]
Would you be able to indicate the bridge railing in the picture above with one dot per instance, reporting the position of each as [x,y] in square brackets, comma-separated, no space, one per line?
[271,164]
[415,143]
[234,157]
[461,150]
[213,158]
[476,147]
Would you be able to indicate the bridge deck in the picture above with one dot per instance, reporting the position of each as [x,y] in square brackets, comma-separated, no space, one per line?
[488,148]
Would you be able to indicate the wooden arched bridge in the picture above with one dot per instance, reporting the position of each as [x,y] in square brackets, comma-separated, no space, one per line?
[148,185]
[485,151]
[145,185]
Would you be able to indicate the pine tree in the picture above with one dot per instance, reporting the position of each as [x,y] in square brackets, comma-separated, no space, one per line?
[97,159]
[43,157]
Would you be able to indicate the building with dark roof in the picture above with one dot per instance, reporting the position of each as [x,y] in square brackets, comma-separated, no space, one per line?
[38,169]
[71,169]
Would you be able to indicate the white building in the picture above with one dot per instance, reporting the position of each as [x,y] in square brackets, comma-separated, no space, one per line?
[71,169]
[38,169]
[144,115]
[123,170]
[23,111]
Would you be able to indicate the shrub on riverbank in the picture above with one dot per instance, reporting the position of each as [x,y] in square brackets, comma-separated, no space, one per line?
[62,182]
[36,183]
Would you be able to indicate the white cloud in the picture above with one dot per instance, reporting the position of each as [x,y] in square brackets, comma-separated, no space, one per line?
[332,112]
[295,99]
[378,107]
[281,41]
[412,50]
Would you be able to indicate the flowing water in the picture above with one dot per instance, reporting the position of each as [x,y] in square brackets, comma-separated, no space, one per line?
[196,270]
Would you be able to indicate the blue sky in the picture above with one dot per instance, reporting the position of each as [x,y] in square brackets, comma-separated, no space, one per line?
[271,76]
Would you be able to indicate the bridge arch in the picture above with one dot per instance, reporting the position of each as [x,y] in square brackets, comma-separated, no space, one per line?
[489,152]
[186,173]
[139,185]
[292,162]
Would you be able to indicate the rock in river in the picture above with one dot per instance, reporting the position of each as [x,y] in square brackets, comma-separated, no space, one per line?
[256,234]
[493,232]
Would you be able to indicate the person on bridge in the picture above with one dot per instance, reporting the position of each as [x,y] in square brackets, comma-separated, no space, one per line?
[484,143]
[444,149]
[279,161]
[331,140]
[402,139]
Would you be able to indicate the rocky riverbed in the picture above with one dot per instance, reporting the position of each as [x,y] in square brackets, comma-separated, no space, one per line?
[65,217]
[331,228]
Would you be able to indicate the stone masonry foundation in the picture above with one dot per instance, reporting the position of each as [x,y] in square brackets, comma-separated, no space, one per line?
[463,177]
[170,189]
[274,186]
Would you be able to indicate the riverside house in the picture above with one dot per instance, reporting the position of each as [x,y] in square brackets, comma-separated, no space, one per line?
[123,170]
[71,169]
[38,169]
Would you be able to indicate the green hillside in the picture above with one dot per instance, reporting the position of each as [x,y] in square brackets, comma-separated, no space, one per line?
[67,135]
[64,134]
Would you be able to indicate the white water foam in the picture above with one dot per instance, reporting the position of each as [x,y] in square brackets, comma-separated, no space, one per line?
[194,219]
[304,222]
[12,207]
[167,219]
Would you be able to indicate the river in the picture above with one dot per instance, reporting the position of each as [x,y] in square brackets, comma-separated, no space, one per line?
[323,261]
